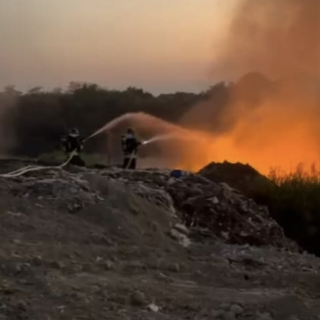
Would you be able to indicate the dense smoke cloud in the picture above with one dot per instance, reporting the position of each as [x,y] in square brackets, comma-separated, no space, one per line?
[275,37]
[271,117]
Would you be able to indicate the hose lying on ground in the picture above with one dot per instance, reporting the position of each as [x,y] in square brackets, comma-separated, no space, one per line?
[21,171]
[30,168]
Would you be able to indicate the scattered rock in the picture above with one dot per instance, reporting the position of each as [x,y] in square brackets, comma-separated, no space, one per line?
[216,314]
[236,309]
[22,305]
[215,200]
[225,306]
[37,261]
[228,316]
[74,207]
[109,265]
[135,265]
[23,268]
[174,267]
[181,228]
[57,265]
[264,316]
[181,238]
[153,307]
[138,298]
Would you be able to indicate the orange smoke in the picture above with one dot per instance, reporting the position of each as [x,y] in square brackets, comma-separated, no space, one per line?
[266,123]
[271,116]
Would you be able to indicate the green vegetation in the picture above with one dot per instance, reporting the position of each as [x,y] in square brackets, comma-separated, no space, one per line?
[33,122]
[91,160]
[294,201]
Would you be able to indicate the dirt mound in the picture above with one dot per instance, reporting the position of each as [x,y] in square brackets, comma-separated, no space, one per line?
[114,244]
[114,207]
[209,208]
[206,207]
[239,176]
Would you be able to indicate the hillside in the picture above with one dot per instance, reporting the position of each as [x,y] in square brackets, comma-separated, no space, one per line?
[113,244]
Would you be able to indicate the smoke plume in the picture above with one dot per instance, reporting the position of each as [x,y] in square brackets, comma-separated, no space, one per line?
[271,117]
[275,37]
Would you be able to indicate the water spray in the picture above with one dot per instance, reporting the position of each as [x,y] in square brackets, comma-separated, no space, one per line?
[110,125]
[135,117]
[31,168]
[159,138]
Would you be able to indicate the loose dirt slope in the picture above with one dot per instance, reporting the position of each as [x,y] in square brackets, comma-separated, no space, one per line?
[112,245]
[241,176]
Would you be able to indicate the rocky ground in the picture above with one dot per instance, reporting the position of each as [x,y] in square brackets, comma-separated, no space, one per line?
[113,244]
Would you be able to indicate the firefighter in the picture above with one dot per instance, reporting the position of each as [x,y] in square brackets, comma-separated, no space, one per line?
[74,143]
[130,146]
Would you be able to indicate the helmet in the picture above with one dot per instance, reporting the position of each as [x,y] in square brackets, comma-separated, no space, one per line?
[74,132]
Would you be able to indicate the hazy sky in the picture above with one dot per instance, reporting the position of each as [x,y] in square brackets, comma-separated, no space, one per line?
[160,45]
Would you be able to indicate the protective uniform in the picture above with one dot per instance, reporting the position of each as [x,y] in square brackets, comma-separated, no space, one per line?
[73,143]
[130,145]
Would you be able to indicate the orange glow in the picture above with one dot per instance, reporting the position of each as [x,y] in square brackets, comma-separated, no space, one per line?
[279,127]
[282,131]
[280,39]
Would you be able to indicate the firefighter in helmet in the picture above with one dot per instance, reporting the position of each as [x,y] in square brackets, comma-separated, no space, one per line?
[73,144]
[130,146]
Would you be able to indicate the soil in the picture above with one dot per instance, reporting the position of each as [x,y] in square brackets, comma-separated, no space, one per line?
[86,244]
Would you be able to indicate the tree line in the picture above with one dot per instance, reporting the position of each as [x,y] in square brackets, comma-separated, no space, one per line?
[33,122]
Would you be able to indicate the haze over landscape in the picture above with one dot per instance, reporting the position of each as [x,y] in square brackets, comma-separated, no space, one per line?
[227,91]
[268,116]
[160,45]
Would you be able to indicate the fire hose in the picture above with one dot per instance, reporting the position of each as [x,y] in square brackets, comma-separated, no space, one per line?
[26,169]
[30,168]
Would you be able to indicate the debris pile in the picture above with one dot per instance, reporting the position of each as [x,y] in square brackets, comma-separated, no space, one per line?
[242,177]
[208,208]
[218,210]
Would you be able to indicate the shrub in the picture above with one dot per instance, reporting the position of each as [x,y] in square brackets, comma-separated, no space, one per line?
[294,201]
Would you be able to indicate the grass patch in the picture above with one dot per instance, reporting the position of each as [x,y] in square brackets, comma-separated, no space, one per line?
[294,201]
[52,158]
[58,157]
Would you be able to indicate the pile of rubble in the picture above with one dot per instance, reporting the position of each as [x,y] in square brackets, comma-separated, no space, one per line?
[208,208]
[220,211]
